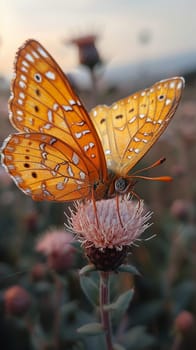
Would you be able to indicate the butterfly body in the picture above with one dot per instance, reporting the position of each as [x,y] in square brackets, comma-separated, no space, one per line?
[61,152]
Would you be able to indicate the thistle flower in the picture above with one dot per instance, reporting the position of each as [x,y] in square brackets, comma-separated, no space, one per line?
[17,300]
[56,245]
[88,53]
[106,234]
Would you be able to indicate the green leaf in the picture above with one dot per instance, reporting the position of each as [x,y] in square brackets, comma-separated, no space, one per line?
[69,308]
[121,303]
[86,269]
[91,329]
[137,339]
[90,288]
[129,268]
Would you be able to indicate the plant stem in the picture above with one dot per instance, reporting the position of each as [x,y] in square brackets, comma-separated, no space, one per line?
[104,299]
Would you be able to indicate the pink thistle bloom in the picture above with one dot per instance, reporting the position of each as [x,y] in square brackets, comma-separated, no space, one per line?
[56,245]
[104,232]
[109,232]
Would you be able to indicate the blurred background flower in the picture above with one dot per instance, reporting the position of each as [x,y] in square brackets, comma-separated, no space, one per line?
[17,301]
[57,246]
[88,53]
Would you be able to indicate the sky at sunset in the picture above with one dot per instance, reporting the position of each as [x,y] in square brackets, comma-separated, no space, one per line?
[171,26]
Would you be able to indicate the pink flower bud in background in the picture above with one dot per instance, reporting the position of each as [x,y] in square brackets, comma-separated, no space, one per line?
[184,322]
[17,301]
[181,209]
[88,53]
[56,246]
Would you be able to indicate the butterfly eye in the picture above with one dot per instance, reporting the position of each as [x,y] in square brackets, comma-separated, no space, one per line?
[121,185]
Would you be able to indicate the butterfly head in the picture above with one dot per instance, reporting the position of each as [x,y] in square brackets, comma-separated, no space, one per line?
[118,186]
[121,185]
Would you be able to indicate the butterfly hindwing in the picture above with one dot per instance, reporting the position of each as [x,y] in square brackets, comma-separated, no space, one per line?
[129,127]
[45,168]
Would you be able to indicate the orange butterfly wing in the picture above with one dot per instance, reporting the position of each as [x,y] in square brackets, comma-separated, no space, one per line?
[45,168]
[43,102]
[130,127]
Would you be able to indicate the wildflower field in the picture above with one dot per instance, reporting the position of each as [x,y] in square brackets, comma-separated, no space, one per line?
[44,298]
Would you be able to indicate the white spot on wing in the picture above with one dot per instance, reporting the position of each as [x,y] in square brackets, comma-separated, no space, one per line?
[70,171]
[136,139]
[72,102]
[29,57]
[35,54]
[172,85]
[168,101]
[23,77]
[132,119]
[78,135]
[50,75]
[67,108]
[24,69]
[80,123]
[22,95]
[60,186]
[19,118]
[25,63]
[75,159]
[82,175]
[47,126]
[42,52]
[179,85]
[50,116]
[115,106]
[22,84]
[19,112]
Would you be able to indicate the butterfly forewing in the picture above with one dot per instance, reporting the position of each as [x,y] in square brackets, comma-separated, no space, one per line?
[43,101]
[60,153]
[45,167]
[130,127]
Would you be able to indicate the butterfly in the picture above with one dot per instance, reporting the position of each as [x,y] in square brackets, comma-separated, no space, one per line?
[62,153]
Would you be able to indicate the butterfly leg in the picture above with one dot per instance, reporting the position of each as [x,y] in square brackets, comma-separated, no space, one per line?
[95,208]
[134,194]
[118,210]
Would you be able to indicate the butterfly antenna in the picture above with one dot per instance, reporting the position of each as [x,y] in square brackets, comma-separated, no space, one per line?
[154,165]
[157,178]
